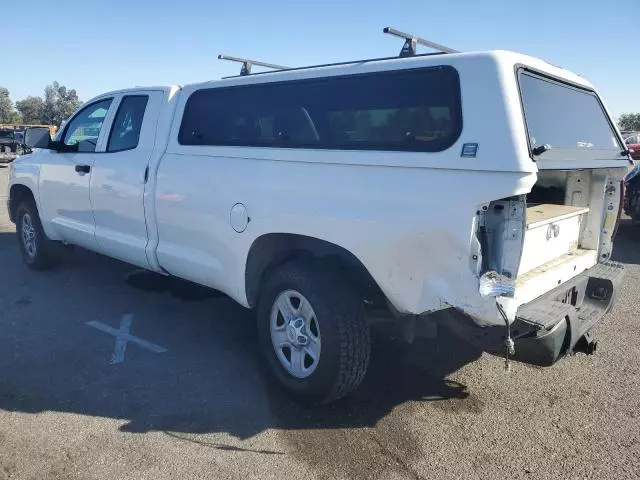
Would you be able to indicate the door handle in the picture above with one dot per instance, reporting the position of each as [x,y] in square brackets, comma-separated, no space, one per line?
[83,168]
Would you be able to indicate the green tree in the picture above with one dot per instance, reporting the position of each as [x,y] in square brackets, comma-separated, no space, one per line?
[31,109]
[7,113]
[629,121]
[15,117]
[59,103]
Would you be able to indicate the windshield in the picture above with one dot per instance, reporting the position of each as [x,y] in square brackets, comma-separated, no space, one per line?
[6,133]
[564,116]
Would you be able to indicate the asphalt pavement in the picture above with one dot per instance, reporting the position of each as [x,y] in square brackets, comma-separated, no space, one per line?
[108,373]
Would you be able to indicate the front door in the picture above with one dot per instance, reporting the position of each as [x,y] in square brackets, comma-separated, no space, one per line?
[65,176]
[119,177]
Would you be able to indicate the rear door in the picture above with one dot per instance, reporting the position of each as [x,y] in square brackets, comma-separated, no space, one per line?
[120,175]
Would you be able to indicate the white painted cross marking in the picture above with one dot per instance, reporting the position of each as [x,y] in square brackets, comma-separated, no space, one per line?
[123,337]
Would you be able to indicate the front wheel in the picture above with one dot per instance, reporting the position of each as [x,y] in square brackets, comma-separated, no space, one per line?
[38,251]
[312,332]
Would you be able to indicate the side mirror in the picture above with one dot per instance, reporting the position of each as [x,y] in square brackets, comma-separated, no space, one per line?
[37,137]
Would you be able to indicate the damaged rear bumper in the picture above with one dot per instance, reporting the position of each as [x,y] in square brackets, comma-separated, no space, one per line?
[553,325]
[559,322]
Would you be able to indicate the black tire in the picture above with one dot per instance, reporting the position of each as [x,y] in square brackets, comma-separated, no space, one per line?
[46,252]
[14,148]
[345,337]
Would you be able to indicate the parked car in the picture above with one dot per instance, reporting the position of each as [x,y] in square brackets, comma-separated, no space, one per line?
[633,144]
[8,141]
[320,196]
[632,193]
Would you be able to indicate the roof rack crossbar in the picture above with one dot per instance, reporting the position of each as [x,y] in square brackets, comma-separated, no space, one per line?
[411,42]
[247,64]
[337,64]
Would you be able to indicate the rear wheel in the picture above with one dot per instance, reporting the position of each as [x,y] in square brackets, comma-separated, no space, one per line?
[38,251]
[312,332]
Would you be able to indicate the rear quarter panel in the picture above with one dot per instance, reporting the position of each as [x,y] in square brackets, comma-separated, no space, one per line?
[407,216]
[413,230]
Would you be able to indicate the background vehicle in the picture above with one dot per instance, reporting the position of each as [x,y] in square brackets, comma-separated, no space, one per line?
[8,141]
[633,144]
[12,135]
[632,193]
[322,196]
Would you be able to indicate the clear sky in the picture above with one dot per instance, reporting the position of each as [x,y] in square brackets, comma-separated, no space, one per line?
[96,46]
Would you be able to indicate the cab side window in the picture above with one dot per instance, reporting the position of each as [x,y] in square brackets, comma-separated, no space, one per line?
[125,132]
[84,129]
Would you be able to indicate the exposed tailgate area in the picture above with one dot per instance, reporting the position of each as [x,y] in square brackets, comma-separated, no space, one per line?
[562,228]
[551,252]
[551,231]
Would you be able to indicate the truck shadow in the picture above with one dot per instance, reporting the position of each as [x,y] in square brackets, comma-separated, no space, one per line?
[8,240]
[243,402]
[398,373]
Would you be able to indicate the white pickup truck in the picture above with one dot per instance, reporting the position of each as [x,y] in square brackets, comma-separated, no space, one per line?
[480,191]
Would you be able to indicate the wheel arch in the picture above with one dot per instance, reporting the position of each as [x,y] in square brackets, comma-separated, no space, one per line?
[17,194]
[271,250]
